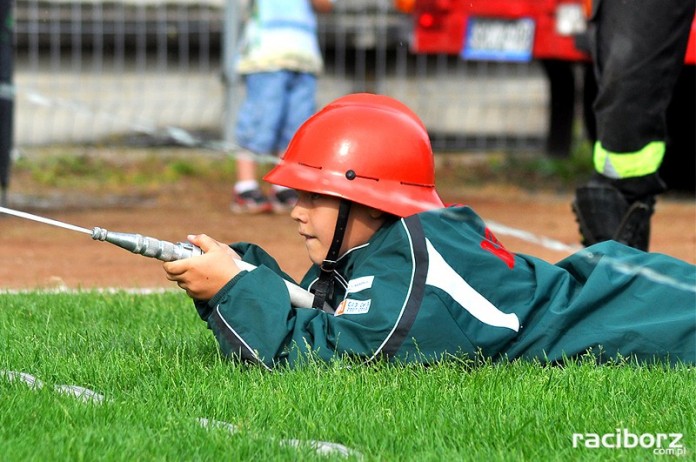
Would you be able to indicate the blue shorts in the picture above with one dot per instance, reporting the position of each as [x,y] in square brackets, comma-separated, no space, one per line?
[276,104]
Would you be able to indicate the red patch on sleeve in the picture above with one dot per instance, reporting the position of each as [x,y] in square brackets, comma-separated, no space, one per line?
[494,246]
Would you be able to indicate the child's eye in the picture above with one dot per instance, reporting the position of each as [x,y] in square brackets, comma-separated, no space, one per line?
[311,197]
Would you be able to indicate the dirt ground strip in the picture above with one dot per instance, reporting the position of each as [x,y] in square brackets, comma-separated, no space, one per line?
[34,255]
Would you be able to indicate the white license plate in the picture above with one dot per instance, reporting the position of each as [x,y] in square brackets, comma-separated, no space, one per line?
[498,39]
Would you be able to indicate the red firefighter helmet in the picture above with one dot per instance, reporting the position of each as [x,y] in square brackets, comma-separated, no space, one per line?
[369,149]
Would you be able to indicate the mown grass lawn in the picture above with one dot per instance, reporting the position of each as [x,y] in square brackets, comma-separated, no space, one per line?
[164,393]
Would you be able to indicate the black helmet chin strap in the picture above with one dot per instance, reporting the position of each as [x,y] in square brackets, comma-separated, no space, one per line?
[323,288]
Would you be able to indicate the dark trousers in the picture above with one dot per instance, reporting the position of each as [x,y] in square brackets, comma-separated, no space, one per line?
[638,49]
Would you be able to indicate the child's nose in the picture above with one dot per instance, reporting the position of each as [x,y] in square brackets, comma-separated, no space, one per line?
[298,212]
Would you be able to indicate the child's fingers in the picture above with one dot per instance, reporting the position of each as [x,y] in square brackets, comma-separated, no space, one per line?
[175,268]
[205,242]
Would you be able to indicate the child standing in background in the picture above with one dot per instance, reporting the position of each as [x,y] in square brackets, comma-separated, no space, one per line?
[280,61]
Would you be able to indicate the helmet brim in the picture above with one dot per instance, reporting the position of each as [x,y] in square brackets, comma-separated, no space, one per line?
[302,177]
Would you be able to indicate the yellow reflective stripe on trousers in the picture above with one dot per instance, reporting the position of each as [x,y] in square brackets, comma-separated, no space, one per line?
[629,164]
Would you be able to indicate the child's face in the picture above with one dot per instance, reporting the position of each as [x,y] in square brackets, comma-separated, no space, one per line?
[316,216]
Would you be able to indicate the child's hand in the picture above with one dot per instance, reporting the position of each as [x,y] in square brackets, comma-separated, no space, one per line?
[203,276]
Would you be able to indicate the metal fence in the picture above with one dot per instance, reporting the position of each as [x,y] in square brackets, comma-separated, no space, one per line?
[96,71]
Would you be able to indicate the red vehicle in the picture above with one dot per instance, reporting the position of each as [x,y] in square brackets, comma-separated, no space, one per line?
[506,30]
[549,31]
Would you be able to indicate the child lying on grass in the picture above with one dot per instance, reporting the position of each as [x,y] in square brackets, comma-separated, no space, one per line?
[412,280]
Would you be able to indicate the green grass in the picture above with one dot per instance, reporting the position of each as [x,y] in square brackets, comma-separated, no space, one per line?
[159,370]
[107,170]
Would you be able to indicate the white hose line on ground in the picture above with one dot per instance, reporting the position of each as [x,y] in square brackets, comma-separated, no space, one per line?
[90,396]
[321,447]
[83,394]
[619,266]
[543,241]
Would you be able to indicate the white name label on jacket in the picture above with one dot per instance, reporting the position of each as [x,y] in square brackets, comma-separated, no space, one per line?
[349,306]
[358,284]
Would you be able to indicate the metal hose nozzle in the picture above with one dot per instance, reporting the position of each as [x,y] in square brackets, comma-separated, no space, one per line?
[168,251]
[147,246]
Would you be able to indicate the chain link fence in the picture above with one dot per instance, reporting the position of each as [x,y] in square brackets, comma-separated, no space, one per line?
[151,71]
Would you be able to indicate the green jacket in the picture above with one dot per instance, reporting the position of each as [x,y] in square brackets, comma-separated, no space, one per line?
[439,283]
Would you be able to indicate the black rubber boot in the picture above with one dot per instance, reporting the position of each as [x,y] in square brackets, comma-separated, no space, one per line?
[603,214]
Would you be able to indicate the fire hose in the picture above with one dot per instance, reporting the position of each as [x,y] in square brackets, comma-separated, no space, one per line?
[161,250]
